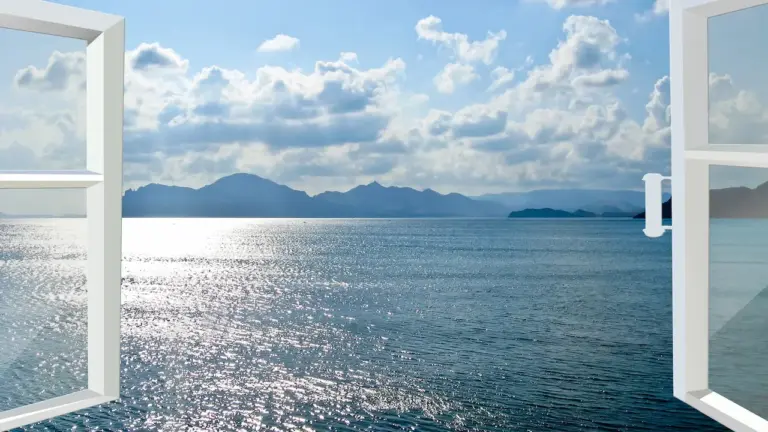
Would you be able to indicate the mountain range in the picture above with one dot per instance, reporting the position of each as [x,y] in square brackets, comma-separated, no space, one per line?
[739,202]
[551,213]
[247,195]
[591,200]
[666,211]
[731,203]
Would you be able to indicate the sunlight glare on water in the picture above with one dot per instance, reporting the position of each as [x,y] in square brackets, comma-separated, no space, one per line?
[434,325]
[42,310]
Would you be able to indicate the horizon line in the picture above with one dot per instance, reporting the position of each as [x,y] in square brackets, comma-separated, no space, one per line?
[571,188]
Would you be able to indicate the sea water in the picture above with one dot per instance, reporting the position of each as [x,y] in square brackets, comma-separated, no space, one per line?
[385,325]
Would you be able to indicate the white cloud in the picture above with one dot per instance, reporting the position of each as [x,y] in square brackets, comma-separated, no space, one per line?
[279,43]
[660,8]
[453,75]
[561,125]
[587,57]
[465,52]
[501,77]
[348,57]
[736,116]
[658,107]
[171,114]
[562,4]
[64,71]
[338,124]
[34,140]
[478,121]
[607,77]
[147,57]
[430,28]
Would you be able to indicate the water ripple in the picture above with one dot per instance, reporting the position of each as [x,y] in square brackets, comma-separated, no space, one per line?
[429,325]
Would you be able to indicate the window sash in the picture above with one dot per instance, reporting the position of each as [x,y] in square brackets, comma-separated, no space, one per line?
[102,179]
[692,155]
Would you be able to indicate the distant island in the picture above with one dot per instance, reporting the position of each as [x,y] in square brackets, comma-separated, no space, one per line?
[250,196]
[730,203]
[608,203]
[550,213]
[666,211]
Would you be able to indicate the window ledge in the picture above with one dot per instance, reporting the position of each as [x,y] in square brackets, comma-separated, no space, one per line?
[51,408]
[725,411]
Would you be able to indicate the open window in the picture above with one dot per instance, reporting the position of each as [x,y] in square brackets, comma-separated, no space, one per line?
[101,182]
[719,115]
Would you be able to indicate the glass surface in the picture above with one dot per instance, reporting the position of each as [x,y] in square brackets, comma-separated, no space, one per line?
[738,61]
[42,102]
[738,314]
[43,321]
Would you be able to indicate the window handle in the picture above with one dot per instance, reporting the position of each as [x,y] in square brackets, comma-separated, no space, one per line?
[653,201]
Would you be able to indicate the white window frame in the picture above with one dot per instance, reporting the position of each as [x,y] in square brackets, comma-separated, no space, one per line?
[692,156]
[103,181]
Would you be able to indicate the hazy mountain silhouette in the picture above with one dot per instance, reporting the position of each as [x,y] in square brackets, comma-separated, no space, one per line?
[666,210]
[238,195]
[247,195]
[739,202]
[550,213]
[735,202]
[592,200]
[382,201]
[731,203]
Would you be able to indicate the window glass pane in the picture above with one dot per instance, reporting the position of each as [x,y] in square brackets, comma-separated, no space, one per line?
[738,281]
[738,60]
[43,318]
[42,101]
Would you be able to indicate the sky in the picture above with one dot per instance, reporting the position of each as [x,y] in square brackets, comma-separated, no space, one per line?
[498,96]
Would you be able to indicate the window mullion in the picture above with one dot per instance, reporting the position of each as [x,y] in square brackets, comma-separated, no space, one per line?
[734,158]
[49,179]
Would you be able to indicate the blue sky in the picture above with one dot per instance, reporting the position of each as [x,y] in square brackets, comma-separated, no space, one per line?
[512,95]
[377,31]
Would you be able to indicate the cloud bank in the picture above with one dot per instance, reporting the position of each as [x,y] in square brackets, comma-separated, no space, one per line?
[558,123]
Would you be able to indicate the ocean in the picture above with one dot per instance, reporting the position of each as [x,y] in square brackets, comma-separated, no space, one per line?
[353,325]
